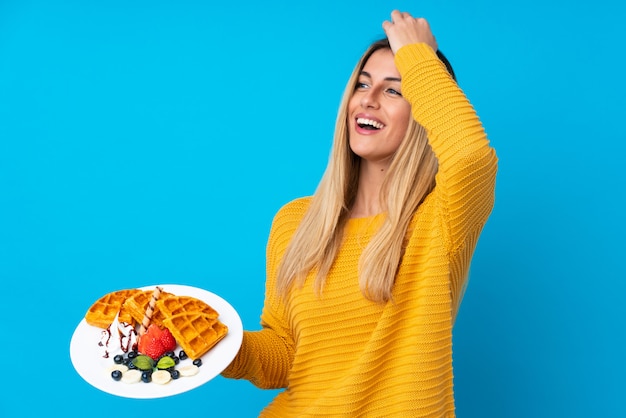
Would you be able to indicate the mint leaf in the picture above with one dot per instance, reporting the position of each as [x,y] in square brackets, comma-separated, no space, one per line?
[165,363]
[143,362]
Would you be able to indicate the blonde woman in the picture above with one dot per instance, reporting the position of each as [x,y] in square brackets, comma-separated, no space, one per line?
[364,279]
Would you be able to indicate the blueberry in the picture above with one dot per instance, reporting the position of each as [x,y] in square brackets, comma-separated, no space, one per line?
[131,365]
[118,359]
[132,354]
[182,355]
[170,354]
[175,374]
[197,362]
[116,375]
[176,359]
[146,376]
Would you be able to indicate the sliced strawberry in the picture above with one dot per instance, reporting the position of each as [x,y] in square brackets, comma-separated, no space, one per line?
[167,340]
[150,342]
[154,349]
[142,343]
[154,330]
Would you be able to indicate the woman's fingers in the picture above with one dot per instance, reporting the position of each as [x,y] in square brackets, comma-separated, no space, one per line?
[404,29]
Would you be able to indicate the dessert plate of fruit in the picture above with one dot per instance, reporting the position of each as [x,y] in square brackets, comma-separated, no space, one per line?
[155,341]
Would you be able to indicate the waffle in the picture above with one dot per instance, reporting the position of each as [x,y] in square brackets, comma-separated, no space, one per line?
[137,304]
[102,313]
[174,305]
[196,332]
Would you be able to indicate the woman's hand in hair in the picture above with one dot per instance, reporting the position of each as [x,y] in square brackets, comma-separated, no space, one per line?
[404,29]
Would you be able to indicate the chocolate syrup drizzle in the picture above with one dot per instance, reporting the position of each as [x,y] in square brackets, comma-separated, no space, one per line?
[126,342]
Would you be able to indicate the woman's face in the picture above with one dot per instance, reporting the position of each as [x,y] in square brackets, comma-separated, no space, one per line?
[378,115]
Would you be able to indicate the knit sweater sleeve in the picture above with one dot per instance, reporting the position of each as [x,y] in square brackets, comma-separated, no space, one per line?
[465,181]
[266,356]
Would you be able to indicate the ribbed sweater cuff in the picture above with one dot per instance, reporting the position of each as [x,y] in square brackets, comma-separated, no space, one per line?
[408,55]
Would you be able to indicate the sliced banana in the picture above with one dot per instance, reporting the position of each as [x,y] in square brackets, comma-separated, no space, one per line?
[131,376]
[161,377]
[121,367]
[189,370]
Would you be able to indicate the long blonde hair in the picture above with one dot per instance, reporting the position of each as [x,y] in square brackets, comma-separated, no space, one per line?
[316,242]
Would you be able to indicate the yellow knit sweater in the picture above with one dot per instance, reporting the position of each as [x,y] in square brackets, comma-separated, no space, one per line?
[340,355]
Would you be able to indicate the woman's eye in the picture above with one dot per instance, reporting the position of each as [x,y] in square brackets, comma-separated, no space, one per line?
[394,92]
[360,86]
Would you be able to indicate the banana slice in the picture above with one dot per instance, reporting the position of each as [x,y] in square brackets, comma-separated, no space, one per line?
[189,370]
[121,367]
[131,376]
[161,377]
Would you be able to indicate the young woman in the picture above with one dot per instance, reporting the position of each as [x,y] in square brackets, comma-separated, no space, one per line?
[364,279]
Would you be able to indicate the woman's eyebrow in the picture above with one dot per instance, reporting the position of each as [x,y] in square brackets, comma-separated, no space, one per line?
[366,74]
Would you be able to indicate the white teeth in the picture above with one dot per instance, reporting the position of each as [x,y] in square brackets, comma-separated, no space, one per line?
[370,122]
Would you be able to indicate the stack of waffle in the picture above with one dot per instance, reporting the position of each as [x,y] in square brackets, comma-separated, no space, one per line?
[193,322]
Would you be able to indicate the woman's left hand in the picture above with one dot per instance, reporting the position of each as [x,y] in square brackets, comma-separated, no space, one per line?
[404,29]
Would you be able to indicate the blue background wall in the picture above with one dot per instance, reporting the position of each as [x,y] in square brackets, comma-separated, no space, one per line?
[147,142]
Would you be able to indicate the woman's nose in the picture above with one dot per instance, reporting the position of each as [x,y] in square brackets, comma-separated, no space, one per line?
[370,99]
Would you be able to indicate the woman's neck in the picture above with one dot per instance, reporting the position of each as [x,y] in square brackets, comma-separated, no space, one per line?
[367,201]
